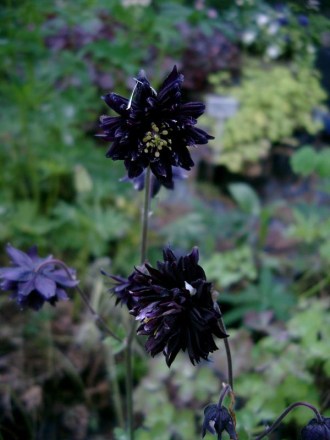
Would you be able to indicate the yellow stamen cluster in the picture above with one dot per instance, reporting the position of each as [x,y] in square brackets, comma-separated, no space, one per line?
[155,140]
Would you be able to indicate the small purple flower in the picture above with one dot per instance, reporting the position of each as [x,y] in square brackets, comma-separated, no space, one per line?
[34,280]
[316,430]
[153,129]
[303,20]
[217,420]
[174,305]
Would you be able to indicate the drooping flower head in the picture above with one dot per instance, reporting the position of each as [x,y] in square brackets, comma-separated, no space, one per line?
[153,129]
[174,305]
[34,280]
[218,420]
[317,429]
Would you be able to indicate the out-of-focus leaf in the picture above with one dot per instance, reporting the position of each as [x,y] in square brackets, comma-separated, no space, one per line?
[246,198]
[229,267]
[304,161]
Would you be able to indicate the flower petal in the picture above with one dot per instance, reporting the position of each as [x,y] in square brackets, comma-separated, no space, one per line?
[198,136]
[116,103]
[18,257]
[24,289]
[61,294]
[60,277]
[45,286]
[168,254]
[194,109]
[15,273]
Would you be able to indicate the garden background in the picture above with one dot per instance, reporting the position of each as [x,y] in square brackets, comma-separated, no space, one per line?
[256,205]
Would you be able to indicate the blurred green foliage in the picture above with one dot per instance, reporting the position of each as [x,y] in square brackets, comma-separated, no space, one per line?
[268,294]
[307,161]
[290,363]
[275,104]
[312,221]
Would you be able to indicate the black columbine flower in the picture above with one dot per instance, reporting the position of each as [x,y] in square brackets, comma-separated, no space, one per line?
[174,305]
[217,419]
[317,429]
[153,128]
[34,280]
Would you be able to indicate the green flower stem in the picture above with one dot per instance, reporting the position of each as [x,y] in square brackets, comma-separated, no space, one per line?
[145,216]
[129,389]
[116,396]
[128,357]
[285,413]
[97,317]
[317,287]
[228,354]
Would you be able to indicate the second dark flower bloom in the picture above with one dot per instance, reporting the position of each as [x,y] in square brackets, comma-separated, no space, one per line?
[174,305]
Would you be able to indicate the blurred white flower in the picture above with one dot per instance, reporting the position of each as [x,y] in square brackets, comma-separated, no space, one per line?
[248,37]
[69,111]
[311,49]
[272,29]
[67,139]
[262,19]
[273,51]
[313,4]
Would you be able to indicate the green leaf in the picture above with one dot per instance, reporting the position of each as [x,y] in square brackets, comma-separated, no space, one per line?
[246,198]
[120,434]
[304,161]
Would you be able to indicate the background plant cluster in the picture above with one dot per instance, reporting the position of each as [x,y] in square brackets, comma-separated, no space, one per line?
[257,205]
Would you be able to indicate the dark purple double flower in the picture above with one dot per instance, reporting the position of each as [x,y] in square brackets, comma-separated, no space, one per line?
[174,305]
[153,129]
[34,280]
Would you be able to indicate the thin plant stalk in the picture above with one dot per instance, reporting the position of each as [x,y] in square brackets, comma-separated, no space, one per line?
[116,397]
[285,413]
[129,357]
[84,297]
[227,389]
[110,362]
[145,216]
[97,317]
[228,355]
